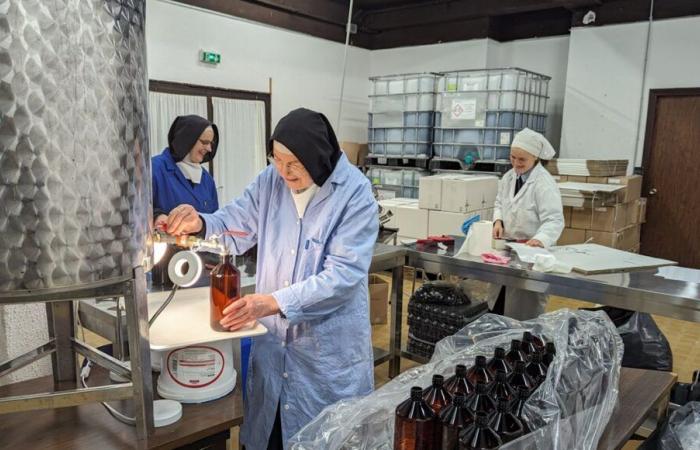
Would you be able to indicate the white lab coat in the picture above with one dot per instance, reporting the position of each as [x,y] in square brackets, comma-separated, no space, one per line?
[535,213]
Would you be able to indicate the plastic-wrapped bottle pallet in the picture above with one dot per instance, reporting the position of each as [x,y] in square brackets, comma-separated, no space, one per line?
[401,115]
[478,112]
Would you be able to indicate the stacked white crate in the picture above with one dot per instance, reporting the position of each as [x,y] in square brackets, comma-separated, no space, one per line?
[444,202]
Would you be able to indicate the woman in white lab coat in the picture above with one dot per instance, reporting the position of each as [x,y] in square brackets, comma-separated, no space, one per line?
[528,207]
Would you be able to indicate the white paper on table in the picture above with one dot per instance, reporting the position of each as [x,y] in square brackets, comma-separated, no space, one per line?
[679,274]
[526,253]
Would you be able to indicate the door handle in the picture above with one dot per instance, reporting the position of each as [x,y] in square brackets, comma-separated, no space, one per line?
[652,192]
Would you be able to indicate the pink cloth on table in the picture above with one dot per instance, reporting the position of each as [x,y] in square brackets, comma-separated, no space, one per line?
[493,258]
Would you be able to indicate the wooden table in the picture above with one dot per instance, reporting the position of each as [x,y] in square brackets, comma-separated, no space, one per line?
[642,392]
[91,427]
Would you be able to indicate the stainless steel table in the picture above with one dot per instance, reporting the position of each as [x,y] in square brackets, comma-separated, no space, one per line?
[389,257]
[644,290]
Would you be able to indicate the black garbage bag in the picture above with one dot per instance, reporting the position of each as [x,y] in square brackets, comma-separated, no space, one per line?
[646,347]
[440,293]
[681,431]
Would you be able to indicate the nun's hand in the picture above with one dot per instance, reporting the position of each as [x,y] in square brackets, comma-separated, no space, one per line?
[246,310]
[535,243]
[183,219]
[161,222]
[498,230]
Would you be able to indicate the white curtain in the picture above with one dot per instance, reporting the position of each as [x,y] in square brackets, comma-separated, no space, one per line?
[241,153]
[163,109]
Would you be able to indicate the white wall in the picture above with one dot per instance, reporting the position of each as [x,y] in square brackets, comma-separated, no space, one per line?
[604,83]
[547,56]
[23,328]
[305,71]
[603,88]
[429,58]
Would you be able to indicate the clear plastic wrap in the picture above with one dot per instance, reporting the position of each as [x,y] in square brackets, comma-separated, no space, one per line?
[570,409]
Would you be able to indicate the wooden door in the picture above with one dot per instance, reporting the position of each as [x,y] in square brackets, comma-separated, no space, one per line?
[672,177]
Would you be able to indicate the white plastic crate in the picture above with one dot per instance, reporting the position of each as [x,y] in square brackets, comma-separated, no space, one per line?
[402,102]
[404,84]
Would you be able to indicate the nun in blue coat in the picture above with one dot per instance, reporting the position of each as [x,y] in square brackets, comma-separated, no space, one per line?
[314,219]
[178,175]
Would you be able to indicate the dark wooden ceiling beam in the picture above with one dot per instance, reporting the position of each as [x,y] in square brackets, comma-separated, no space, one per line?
[323,10]
[277,17]
[624,11]
[412,15]
[430,34]
[552,22]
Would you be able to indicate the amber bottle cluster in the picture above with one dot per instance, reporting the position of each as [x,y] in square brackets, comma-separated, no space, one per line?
[480,407]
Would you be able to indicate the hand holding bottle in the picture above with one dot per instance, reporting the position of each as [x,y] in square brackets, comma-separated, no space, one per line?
[248,309]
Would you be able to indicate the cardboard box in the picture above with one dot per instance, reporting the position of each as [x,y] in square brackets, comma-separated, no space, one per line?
[633,187]
[636,213]
[611,218]
[577,179]
[378,299]
[390,205]
[560,178]
[622,240]
[412,221]
[567,216]
[356,153]
[430,191]
[571,236]
[450,223]
[469,193]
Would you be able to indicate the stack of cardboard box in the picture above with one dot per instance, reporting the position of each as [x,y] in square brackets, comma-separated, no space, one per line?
[444,202]
[616,224]
[356,153]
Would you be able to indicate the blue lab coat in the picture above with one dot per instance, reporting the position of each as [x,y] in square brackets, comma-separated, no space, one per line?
[171,188]
[318,350]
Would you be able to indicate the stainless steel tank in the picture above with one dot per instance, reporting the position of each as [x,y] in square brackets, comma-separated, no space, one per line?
[75,194]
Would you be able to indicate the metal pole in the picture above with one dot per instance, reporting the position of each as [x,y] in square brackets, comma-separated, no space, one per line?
[345,63]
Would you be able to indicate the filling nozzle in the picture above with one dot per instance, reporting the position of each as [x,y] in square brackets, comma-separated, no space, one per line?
[213,244]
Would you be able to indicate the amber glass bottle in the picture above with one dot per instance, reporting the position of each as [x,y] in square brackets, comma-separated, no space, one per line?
[519,378]
[505,423]
[454,419]
[515,353]
[478,435]
[479,372]
[415,424]
[436,396]
[498,362]
[225,288]
[458,383]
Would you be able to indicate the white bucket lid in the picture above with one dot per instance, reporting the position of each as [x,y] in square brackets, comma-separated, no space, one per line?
[166,412]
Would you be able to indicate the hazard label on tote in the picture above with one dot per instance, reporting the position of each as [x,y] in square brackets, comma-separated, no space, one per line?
[463,109]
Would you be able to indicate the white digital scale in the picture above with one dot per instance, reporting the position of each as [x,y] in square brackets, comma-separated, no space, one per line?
[196,362]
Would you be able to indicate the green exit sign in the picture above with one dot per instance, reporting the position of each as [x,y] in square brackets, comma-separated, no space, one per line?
[210,57]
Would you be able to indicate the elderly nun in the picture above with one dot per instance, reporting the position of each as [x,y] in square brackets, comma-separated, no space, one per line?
[315,221]
[528,208]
